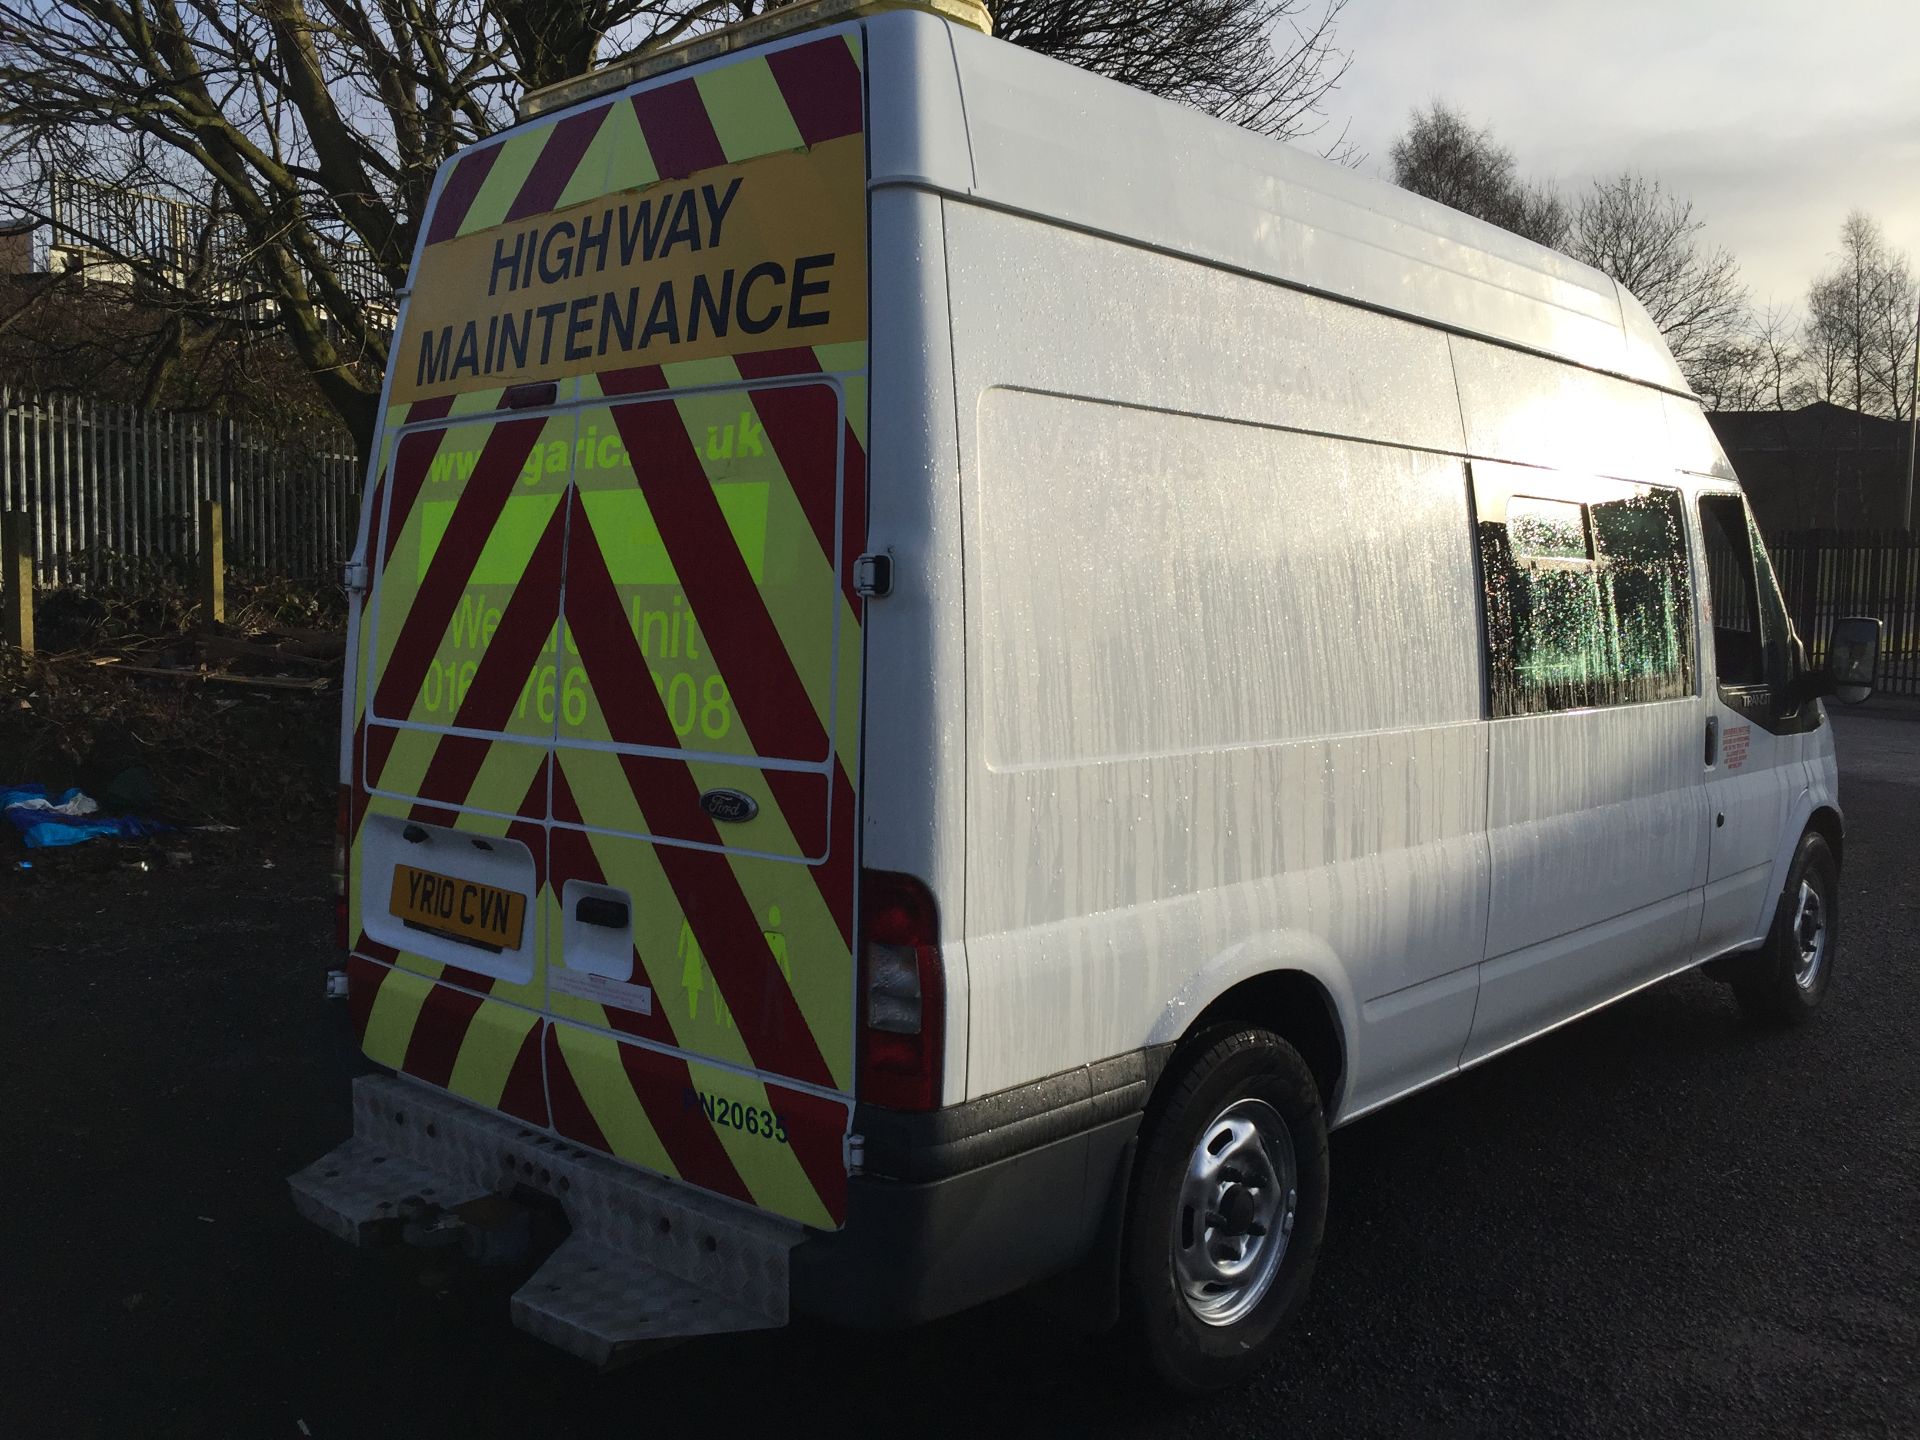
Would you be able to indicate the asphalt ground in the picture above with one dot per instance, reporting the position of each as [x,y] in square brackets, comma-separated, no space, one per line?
[1657,1221]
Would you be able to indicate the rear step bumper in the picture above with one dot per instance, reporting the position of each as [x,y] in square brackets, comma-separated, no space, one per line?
[647,1259]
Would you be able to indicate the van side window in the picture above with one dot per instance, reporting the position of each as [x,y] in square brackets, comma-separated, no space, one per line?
[1588,595]
[1732,592]
[1776,630]
[1752,636]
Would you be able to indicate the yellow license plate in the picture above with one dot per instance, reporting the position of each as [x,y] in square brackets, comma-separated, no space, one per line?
[460,909]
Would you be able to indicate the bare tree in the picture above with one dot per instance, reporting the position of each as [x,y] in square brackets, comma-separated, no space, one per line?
[1444,157]
[316,126]
[1268,65]
[1633,230]
[1824,344]
[1779,361]
[1629,227]
[60,335]
[1860,324]
[1764,366]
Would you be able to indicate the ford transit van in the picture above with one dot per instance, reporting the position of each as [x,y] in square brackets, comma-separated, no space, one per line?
[953,663]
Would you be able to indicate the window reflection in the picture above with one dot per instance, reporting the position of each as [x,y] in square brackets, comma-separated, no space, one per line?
[1589,602]
[1547,529]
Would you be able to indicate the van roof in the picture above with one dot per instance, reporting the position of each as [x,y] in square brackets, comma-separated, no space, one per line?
[1058,141]
[956,111]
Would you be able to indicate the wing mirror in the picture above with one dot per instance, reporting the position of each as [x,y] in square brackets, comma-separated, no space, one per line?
[1853,659]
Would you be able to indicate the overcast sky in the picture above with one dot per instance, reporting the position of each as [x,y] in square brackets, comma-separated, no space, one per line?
[1774,116]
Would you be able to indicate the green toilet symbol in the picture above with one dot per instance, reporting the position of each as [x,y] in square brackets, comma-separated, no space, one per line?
[695,976]
[777,943]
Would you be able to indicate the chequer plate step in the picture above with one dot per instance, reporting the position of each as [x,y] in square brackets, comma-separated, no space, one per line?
[359,1191]
[646,1259]
[605,1306]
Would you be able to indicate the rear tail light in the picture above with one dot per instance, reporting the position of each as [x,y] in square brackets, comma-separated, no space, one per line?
[902,993]
[343,827]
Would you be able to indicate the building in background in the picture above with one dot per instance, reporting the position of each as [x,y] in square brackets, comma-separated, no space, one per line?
[16,247]
[1821,467]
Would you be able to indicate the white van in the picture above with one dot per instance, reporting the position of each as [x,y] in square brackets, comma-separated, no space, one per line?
[953,663]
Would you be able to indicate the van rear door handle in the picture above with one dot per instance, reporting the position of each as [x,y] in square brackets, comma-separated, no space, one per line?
[1713,741]
[595,910]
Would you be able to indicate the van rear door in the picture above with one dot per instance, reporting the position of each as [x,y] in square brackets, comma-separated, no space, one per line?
[643,322]
[450,763]
[702,837]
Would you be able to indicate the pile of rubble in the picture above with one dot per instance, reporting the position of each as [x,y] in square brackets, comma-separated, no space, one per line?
[213,729]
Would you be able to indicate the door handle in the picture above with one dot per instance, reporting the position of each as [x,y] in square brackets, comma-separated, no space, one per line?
[1713,741]
[593,910]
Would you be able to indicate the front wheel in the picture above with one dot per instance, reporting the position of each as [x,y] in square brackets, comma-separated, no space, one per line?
[1783,981]
[1228,1209]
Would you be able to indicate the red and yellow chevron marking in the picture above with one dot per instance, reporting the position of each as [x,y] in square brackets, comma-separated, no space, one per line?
[757,1141]
[587,615]
[469,583]
[748,477]
[483,1049]
[656,1107]
[791,1010]
[793,99]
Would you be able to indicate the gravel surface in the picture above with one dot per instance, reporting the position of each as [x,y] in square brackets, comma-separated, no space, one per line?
[1658,1221]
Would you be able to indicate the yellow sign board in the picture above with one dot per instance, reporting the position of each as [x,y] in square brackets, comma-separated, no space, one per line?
[768,254]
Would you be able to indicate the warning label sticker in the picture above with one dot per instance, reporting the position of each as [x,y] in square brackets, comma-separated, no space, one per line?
[1734,748]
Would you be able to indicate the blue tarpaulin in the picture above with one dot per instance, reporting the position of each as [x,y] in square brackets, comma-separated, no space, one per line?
[67,818]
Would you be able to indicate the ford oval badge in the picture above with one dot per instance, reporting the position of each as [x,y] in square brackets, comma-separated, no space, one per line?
[729,805]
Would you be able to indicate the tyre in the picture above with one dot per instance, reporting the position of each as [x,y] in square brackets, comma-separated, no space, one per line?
[1228,1208]
[1782,982]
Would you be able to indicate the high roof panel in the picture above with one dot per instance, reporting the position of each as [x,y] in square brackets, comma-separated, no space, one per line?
[1056,141]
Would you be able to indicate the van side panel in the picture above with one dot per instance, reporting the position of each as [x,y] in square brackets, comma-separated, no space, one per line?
[1155,548]
[914,786]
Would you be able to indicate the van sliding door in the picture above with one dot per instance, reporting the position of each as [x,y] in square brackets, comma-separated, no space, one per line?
[1595,804]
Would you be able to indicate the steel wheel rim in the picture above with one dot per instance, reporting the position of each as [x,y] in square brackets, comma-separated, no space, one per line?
[1809,935]
[1238,1201]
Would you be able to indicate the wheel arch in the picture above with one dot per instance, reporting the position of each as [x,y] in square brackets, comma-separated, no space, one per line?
[1825,822]
[1299,1008]
[1816,813]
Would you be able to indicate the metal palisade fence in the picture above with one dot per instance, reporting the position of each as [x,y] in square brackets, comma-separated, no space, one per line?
[107,486]
[1825,574]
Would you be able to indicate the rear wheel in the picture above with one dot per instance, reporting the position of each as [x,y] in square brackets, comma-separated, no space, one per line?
[1783,981]
[1228,1209]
